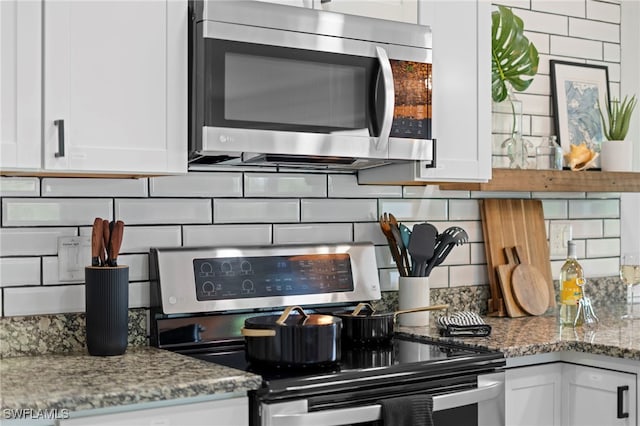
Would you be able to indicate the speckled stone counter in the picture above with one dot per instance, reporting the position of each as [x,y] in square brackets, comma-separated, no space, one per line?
[81,382]
[534,335]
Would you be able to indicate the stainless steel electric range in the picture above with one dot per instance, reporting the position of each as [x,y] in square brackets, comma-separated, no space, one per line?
[201,297]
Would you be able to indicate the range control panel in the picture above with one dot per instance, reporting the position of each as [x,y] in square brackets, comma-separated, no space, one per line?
[265,276]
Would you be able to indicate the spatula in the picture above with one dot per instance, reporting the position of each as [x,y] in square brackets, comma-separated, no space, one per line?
[421,246]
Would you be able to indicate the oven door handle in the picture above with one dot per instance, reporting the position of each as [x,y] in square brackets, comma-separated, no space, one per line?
[370,413]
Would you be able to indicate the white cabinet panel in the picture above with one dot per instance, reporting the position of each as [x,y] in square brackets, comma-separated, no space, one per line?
[233,411]
[108,72]
[595,397]
[20,84]
[533,396]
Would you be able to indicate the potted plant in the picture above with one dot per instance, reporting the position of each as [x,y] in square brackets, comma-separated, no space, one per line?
[513,57]
[615,153]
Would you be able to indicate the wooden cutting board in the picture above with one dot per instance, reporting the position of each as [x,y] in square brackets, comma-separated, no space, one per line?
[513,222]
[529,287]
[504,273]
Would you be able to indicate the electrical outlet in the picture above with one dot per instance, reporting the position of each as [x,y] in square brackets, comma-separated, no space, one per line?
[74,254]
[559,234]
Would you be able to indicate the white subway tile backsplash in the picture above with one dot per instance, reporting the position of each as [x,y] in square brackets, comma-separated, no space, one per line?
[568,8]
[19,271]
[368,232]
[139,295]
[285,185]
[432,191]
[163,211]
[611,52]
[464,210]
[346,186]
[555,209]
[19,187]
[138,239]
[603,195]
[478,255]
[547,23]
[541,42]
[603,11]
[605,267]
[579,209]
[197,184]
[226,235]
[594,30]
[415,209]
[53,212]
[611,228]
[586,228]
[32,241]
[78,187]
[312,233]
[43,300]
[576,48]
[138,268]
[467,275]
[338,210]
[500,194]
[609,247]
[256,210]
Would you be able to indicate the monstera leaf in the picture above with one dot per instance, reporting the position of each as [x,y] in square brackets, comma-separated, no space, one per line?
[513,55]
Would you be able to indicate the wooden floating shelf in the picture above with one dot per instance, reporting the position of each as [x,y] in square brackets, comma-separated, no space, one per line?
[552,180]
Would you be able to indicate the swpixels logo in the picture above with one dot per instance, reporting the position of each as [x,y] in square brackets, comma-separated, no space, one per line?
[35,414]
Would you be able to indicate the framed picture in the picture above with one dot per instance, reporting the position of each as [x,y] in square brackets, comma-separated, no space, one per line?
[577,89]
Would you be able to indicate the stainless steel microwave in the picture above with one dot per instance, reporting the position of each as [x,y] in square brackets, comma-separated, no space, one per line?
[290,86]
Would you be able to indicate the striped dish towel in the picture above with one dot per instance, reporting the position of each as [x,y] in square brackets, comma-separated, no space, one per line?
[463,324]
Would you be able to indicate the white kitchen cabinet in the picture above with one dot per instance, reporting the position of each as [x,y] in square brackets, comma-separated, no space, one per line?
[461,96]
[596,396]
[392,10]
[114,94]
[20,84]
[533,395]
[234,411]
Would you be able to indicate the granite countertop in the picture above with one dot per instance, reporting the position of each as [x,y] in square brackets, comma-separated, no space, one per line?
[532,335]
[81,382]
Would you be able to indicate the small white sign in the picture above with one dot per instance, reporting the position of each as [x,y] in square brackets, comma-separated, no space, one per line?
[74,253]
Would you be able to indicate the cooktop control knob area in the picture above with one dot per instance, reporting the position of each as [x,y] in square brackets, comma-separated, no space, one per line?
[266,276]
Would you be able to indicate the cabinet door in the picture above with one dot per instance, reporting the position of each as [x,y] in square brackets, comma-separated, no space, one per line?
[393,10]
[115,76]
[461,89]
[595,397]
[233,411]
[20,84]
[533,395]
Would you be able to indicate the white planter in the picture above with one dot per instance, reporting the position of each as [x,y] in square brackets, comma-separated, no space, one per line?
[616,156]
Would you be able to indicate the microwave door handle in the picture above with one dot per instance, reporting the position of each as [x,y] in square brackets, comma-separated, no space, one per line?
[389,98]
[370,413]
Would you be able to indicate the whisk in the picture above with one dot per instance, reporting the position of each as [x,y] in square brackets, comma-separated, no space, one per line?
[585,308]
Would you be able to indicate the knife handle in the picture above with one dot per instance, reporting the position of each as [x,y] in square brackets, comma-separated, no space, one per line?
[116,241]
[96,241]
[106,240]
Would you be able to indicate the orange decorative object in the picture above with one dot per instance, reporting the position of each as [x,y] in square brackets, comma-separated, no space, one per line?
[580,157]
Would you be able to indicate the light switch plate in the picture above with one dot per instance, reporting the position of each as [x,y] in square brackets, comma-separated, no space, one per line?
[74,253]
[559,234]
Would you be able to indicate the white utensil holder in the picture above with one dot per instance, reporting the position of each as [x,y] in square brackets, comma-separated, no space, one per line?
[413,292]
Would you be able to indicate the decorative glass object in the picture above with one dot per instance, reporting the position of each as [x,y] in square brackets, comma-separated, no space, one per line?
[516,147]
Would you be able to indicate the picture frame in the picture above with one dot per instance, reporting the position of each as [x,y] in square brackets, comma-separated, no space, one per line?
[576,90]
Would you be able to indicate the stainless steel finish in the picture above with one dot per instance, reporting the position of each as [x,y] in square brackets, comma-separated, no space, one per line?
[489,396]
[175,268]
[320,22]
[389,98]
[297,27]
